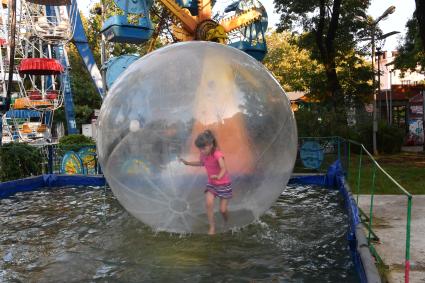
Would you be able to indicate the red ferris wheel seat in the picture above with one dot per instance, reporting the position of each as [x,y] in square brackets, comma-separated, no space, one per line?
[52,94]
[34,95]
[40,66]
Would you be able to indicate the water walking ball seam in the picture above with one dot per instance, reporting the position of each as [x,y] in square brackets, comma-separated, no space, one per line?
[158,106]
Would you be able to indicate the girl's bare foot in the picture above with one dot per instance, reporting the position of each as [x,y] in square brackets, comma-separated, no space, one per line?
[211,231]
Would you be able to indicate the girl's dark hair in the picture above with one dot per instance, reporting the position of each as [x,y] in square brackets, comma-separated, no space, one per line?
[206,138]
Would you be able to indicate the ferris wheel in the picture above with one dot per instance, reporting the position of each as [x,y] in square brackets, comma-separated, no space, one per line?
[34,67]
[51,21]
[242,24]
[34,32]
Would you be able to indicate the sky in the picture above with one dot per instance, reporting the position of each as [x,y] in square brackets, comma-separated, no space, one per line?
[394,22]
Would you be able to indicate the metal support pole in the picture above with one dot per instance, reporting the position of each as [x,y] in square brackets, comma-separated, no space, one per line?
[379,109]
[387,107]
[339,148]
[407,257]
[1,128]
[349,159]
[103,56]
[391,98]
[371,202]
[50,159]
[359,174]
[423,119]
[375,121]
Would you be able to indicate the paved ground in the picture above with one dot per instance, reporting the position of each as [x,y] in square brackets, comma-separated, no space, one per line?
[390,226]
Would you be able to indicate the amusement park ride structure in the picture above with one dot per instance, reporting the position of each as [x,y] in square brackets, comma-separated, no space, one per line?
[34,67]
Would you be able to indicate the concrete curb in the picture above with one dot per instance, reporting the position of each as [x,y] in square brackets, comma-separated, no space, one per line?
[366,257]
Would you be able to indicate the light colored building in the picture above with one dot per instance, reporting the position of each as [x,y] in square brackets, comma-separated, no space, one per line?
[400,99]
[390,76]
[90,130]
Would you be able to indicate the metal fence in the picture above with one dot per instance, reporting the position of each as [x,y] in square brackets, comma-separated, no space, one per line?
[82,158]
[365,176]
[327,151]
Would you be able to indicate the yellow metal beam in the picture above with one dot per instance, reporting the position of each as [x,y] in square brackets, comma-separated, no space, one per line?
[183,16]
[181,34]
[204,10]
[240,20]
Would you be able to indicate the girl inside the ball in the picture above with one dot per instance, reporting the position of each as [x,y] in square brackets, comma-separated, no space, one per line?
[219,184]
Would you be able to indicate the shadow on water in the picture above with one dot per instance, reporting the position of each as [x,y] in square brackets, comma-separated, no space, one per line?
[81,235]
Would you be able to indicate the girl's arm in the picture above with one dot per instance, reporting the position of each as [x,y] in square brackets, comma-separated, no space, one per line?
[223,169]
[191,163]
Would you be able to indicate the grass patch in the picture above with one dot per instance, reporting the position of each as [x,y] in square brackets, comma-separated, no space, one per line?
[405,168]
[408,169]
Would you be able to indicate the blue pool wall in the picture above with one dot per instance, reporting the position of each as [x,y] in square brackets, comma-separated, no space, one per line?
[48,181]
[334,179]
[359,247]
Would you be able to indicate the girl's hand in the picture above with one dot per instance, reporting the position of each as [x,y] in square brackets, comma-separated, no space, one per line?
[214,177]
[182,160]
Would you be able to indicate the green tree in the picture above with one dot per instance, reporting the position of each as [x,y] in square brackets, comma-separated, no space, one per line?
[411,53]
[19,160]
[94,22]
[420,16]
[331,28]
[291,65]
[85,95]
[355,75]
[295,69]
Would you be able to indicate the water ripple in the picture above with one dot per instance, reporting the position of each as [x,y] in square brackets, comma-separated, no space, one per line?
[84,235]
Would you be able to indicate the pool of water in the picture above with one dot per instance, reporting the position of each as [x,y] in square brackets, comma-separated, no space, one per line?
[84,235]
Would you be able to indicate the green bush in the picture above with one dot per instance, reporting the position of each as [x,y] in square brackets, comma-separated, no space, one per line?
[389,138]
[324,123]
[75,142]
[75,139]
[18,160]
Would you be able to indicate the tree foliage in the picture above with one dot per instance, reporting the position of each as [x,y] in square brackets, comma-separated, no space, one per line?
[296,70]
[420,16]
[85,95]
[411,53]
[355,76]
[19,160]
[331,27]
[116,49]
[291,65]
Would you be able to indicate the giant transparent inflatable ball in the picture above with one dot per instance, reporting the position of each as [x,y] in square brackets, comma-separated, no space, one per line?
[159,105]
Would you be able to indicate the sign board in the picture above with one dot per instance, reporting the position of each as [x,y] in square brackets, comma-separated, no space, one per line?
[311,154]
[416,109]
[87,130]
[416,132]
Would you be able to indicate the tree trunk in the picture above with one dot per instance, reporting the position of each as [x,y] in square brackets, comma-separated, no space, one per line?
[327,50]
[420,15]
[333,85]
